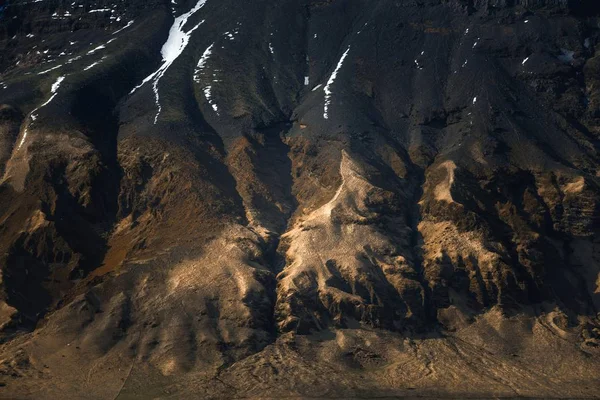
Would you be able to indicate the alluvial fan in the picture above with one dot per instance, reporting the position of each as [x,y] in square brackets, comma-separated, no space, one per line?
[299,199]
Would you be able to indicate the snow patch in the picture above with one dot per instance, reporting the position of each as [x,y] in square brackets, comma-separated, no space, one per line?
[419,66]
[174,46]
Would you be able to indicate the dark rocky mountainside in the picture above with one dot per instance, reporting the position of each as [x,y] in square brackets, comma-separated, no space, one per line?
[299,198]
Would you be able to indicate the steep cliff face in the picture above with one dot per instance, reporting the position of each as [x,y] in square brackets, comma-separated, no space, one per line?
[299,198]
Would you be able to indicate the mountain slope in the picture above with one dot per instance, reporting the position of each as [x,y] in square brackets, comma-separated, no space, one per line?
[299,199]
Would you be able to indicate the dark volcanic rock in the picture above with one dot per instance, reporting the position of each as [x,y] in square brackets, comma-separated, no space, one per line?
[339,198]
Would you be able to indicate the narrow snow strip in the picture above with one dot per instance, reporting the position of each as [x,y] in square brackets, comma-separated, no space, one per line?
[91,66]
[101,47]
[123,28]
[94,64]
[306,81]
[202,62]
[70,60]
[96,49]
[51,69]
[330,82]
[207,90]
[33,116]
[174,46]
[317,87]
[525,60]
[208,94]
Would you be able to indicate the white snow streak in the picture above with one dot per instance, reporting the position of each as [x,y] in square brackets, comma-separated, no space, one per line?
[525,60]
[51,69]
[208,94]
[33,115]
[95,63]
[327,88]
[207,90]
[174,46]
[101,47]
[202,62]
[123,28]
[96,49]
[70,60]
